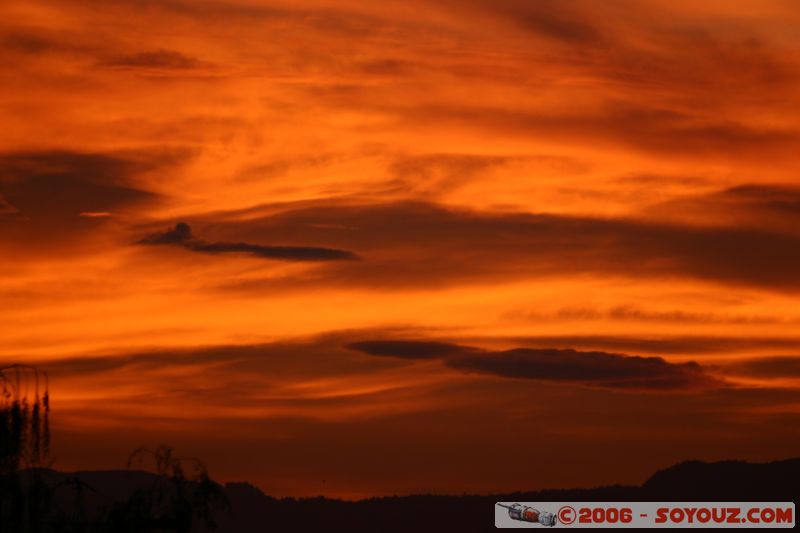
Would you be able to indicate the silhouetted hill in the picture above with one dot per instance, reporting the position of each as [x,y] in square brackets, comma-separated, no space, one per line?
[253,511]
[726,480]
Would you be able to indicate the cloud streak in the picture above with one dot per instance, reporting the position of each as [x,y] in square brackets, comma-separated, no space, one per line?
[772,206]
[776,367]
[589,368]
[156,59]
[181,235]
[432,244]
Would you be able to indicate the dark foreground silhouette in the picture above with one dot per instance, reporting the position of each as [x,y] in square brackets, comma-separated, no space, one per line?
[82,499]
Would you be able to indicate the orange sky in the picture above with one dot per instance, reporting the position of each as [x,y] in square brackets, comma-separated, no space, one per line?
[353,248]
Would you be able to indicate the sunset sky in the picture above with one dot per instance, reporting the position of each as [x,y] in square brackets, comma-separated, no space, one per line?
[363,248]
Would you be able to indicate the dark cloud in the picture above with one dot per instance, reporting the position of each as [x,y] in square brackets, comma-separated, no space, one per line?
[411,349]
[671,344]
[599,369]
[385,67]
[654,53]
[559,22]
[35,40]
[552,19]
[431,244]
[85,366]
[46,192]
[332,352]
[156,59]
[181,235]
[624,312]
[776,197]
[641,127]
[771,206]
[634,313]
[67,183]
[27,43]
[293,376]
[765,367]
[274,359]
[699,62]
[290,253]
[232,403]
[662,180]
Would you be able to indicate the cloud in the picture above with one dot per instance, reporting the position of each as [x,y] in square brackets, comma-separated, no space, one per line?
[303,378]
[670,344]
[64,182]
[35,40]
[552,19]
[156,59]
[590,368]
[600,369]
[639,126]
[181,235]
[233,356]
[444,173]
[631,313]
[47,194]
[659,50]
[284,402]
[765,367]
[770,206]
[27,43]
[411,349]
[433,245]
[775,197]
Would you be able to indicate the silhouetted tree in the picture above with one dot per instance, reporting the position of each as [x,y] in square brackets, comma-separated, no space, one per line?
[176,500]
[181,497]
[24,446]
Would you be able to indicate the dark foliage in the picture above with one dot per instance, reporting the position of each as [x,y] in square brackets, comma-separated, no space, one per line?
[24,444]
[180,497]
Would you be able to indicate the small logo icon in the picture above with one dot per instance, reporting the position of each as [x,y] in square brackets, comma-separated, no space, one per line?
[528,514]
[566,515]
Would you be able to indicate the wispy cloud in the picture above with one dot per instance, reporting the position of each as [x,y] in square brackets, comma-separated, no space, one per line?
[431,244]
[155,59]
[181,235]
[591,368]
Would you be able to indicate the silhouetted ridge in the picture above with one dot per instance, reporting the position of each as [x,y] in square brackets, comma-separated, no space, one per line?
[726,480]
[255,512]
